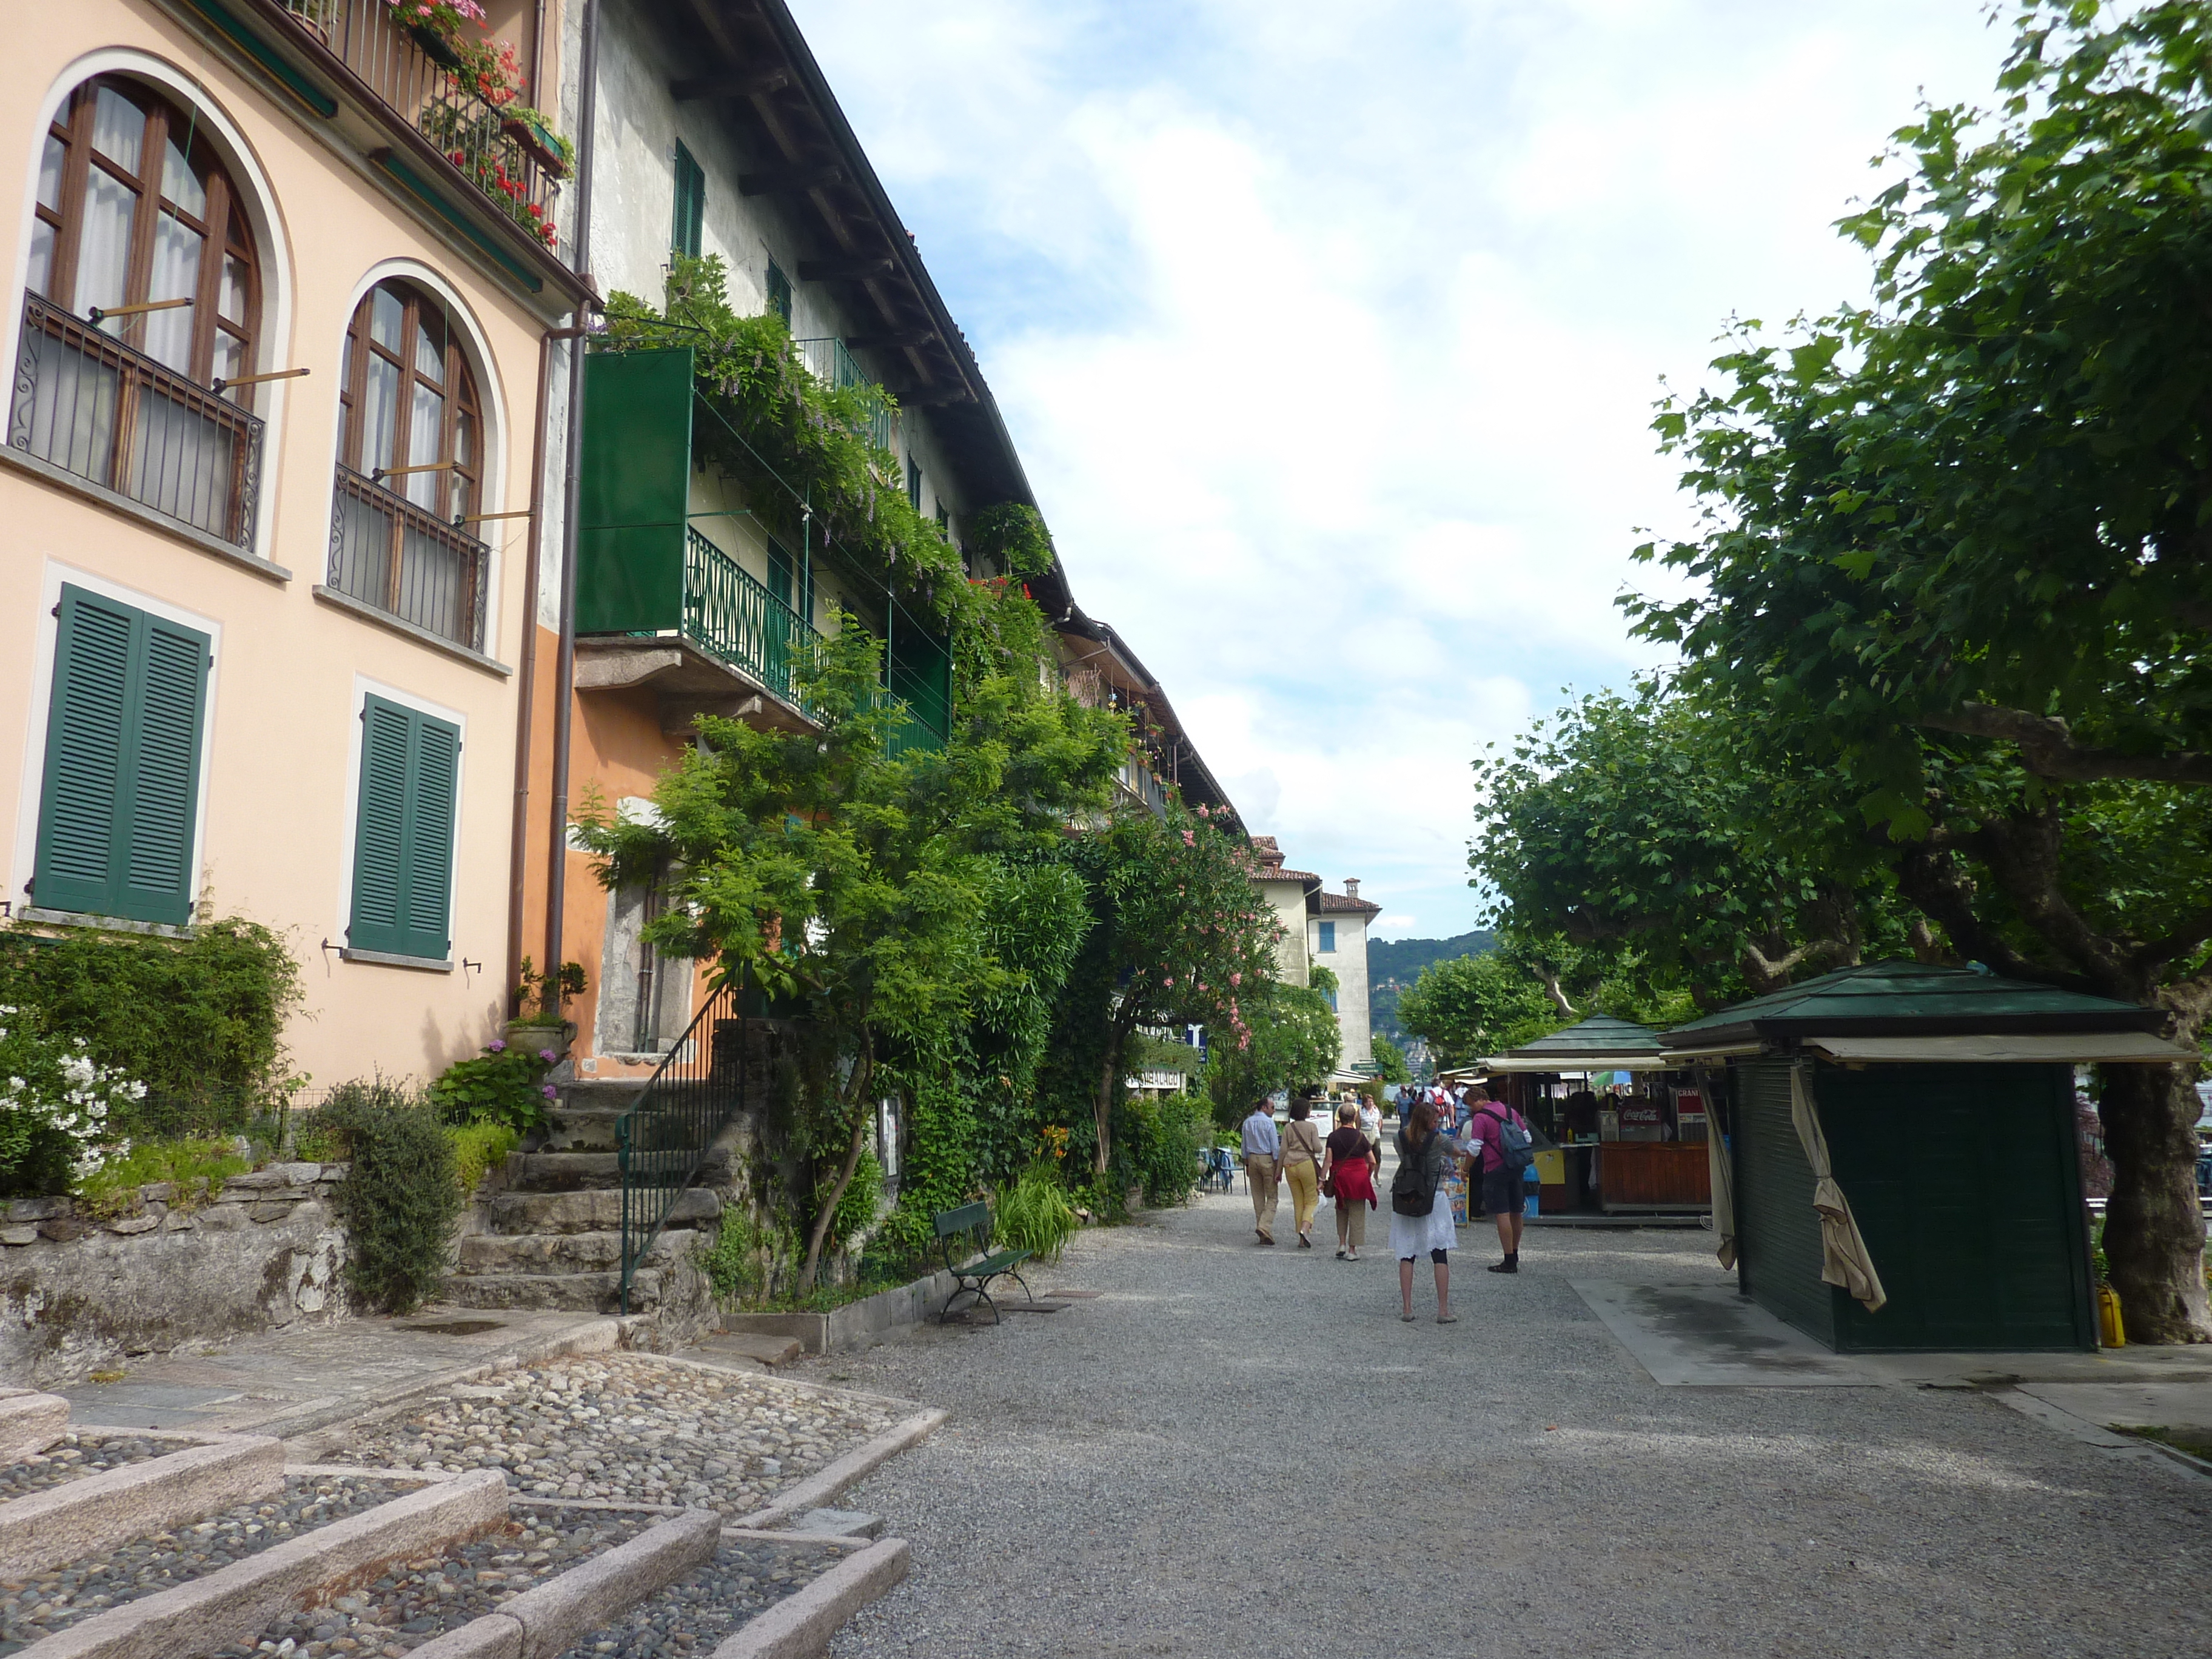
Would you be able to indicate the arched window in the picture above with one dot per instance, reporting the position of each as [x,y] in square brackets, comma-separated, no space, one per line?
[136,213]
[412,467]
[133,206]
[410,401]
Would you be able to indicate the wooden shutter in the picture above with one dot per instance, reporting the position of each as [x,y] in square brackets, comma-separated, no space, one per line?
[118,805]
[403,833]
[690,205]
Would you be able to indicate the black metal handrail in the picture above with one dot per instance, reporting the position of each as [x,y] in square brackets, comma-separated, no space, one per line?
[661,1142]
[102,411]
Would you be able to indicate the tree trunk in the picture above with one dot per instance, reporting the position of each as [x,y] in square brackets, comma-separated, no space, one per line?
[2153,1229]
[1110,1083]
[856,1102]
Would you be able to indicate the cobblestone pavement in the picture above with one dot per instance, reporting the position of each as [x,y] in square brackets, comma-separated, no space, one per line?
[631,1428]
[36,1606]
[1242,1451]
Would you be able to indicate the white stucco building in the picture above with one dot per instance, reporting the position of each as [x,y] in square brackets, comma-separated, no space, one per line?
[1336,939]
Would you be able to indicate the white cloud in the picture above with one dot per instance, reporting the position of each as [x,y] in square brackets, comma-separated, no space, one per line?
[1329,334]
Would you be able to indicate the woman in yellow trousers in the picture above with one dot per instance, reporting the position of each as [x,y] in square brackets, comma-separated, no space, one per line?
[1302,1168]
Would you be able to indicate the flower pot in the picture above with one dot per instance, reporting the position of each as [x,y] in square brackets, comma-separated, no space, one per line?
[436,47]
[537,143]
[521,1034]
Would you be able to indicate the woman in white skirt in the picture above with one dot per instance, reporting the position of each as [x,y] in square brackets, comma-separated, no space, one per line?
[1423,1154]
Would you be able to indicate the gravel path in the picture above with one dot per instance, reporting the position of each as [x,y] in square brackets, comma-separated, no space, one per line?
[421,1599]
[630,1428]
[692,1616]
[1242,1451]
[34,1608]
[79,1453]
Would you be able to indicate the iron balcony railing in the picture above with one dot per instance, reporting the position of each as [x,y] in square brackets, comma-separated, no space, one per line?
[90,404]
[413,72]
[662,1142]
[388,552]
[730,612]
[829,362]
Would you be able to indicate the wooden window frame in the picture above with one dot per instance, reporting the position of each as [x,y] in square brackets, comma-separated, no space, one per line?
[458,390]
[224,208]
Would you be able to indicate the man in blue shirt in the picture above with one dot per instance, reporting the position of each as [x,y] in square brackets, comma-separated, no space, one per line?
[1263,1153]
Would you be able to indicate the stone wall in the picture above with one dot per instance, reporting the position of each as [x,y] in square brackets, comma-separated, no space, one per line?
[81,1290]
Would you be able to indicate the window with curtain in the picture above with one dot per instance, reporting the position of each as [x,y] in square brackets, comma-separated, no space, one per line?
[412,466]
[133,207]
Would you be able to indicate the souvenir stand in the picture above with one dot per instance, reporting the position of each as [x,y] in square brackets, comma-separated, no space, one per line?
[1903,1171]
[1618,1130]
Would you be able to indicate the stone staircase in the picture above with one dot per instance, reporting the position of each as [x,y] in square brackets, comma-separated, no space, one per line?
[553,1239]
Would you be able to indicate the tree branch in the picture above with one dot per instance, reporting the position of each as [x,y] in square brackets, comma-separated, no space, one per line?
[2048,749]
[1931,878]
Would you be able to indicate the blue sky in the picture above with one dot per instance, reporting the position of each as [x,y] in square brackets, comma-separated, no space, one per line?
[1329,333]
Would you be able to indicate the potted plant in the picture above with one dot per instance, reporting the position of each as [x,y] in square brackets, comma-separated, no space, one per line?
[542,1000]
[436,27]
[534,133]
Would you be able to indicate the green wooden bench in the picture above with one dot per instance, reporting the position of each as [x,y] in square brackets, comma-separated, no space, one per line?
[970,1225]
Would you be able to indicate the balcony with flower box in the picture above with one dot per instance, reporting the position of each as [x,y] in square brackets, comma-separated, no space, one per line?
[433,101]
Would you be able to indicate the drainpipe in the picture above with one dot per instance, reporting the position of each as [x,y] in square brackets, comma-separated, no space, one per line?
[527,687]
[564,676]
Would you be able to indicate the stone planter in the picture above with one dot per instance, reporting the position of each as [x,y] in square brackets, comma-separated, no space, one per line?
[856,1324]
[521,1034]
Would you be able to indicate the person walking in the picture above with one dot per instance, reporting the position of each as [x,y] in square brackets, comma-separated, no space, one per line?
[1301,1158]
[1263,1148]
[1349,1163]
[1420,1209]
[1499,1135]
[1370,1122]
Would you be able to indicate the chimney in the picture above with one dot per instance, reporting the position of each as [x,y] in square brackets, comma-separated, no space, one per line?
[1352,887]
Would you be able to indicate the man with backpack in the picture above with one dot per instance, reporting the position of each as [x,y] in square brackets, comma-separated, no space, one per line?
[1501,1139]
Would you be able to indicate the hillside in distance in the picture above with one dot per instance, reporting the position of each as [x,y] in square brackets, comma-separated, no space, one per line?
[1395,965]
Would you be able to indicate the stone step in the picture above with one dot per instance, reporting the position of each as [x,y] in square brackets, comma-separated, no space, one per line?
[562,1252]
[575,1172]
[581,1292]
[582,1129]
[597,1210]
[594,1094]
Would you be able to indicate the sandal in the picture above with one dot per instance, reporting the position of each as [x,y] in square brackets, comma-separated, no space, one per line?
[1408,1318]
[1447,1319]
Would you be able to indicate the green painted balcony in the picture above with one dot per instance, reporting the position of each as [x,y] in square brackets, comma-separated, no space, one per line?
[661,603]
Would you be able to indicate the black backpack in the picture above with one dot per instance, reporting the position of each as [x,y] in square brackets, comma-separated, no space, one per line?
[1413,1188]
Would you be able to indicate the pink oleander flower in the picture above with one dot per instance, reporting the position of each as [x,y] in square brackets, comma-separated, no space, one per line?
[1237,978]
[1189,838]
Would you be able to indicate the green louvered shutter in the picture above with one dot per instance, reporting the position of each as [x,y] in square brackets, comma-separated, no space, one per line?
[404,832]
[430,837]
[121,788]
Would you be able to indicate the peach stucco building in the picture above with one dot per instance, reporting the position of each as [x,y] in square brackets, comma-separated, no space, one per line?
[262,636]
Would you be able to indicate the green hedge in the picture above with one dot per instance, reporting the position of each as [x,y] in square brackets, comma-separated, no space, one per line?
[200,1022]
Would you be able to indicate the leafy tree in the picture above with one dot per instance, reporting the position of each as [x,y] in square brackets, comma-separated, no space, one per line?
[1180,937]
[1295,1044]
[1471,1006]
[886,897]
[1955,559]
[1637,831]
[1390,1061]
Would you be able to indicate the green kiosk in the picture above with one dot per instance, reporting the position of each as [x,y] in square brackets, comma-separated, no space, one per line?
[1903,1168]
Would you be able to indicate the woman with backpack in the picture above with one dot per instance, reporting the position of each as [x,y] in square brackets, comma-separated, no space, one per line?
[1500,1135]
[1420,1209]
